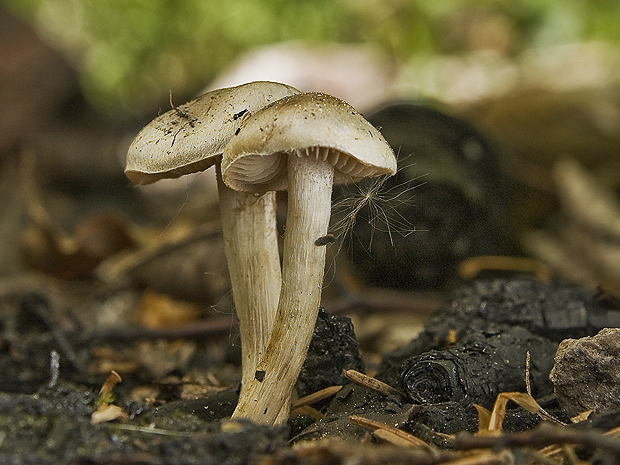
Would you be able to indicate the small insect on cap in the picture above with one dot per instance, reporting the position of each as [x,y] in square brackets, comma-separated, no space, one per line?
[188,138]
[312,124]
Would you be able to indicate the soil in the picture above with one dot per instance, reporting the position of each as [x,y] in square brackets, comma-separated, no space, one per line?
[53,374]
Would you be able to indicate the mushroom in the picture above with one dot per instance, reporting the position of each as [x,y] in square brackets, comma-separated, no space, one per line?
[303,143]
[191,138]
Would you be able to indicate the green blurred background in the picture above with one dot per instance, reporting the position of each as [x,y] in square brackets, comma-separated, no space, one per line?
[130,53]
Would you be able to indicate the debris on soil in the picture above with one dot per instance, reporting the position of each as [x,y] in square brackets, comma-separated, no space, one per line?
[586,374]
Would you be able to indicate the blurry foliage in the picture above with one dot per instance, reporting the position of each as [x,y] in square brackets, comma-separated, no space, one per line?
[131,52]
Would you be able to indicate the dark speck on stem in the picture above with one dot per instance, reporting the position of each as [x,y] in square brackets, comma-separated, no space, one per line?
[324,240]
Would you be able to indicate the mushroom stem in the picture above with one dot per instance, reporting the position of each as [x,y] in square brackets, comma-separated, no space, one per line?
[251,247]
[310,182]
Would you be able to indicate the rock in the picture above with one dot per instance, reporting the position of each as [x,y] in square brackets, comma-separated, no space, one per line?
[586,374]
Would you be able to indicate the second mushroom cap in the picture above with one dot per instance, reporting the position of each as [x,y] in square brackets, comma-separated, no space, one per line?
[255,158]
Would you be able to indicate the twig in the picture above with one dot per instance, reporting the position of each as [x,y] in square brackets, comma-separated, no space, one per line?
[528,385]
[541,436]
[193,330]
[378,300]
[117,269]
[373,383]
[372,300]
[316,396]
[586,200]
[355,453]
[391,434]
[482,458]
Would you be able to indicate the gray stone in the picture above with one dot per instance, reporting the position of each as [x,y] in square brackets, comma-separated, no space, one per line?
[586,374]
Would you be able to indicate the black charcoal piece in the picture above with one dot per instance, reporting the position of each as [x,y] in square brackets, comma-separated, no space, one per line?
[480,367]
[333,350]
[551,310]
[548,309]
[444,418]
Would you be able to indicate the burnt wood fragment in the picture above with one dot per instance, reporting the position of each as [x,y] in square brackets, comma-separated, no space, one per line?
[550,310]
[480,367]
[333,350]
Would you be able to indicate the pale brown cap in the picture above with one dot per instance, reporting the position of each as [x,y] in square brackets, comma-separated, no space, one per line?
[189,137]
[255,158]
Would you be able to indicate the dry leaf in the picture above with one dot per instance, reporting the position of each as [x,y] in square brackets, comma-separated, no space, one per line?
[161,311]
[523,400]
[484,418]
[107,412]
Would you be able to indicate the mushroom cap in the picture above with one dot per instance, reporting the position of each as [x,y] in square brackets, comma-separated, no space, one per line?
[188,138]
[310,124]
